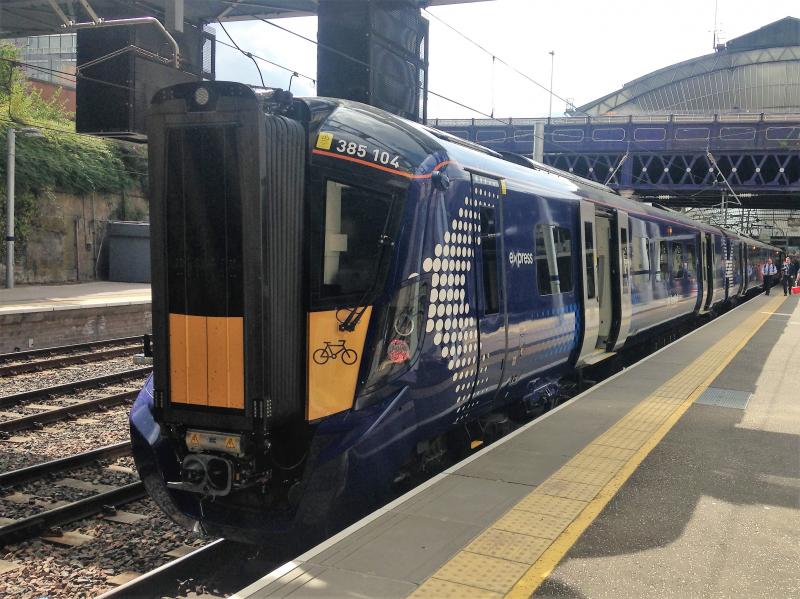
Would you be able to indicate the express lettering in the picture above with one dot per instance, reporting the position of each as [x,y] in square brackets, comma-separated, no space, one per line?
[520,258]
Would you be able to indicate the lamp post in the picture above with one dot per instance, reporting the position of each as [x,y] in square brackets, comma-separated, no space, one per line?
[10,184]
[552,54]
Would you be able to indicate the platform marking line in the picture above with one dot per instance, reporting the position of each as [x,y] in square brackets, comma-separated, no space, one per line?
[536,533]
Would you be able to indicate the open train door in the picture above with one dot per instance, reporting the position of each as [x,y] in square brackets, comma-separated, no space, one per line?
[706,271]
[606,277]
[622,282]
[589,353]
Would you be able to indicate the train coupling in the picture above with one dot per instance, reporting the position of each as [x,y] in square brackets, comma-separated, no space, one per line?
[211,467]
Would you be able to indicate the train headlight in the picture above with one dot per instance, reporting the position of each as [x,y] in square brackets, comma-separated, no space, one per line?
[201,96]
[399,334]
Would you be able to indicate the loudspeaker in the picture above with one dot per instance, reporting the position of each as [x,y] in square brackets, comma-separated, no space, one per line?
[374,52]
[121,68]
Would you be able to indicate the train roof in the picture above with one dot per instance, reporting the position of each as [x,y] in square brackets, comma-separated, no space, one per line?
[421,142]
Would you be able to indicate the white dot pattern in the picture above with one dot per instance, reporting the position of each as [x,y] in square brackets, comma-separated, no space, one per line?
[449,314]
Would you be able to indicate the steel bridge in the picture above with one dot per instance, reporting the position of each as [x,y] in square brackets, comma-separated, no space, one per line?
[678,160]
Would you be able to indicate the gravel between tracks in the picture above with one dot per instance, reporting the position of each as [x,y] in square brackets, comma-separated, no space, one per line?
[65,438]
[54,571]
[37,380]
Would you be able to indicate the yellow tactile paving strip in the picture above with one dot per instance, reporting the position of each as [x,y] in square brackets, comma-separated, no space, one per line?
[514,555]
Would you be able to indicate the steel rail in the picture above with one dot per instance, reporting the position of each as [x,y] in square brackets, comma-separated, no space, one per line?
[12,400]
[165,581]
[26,528]
[64,412]
[49,351]
[60,361]
[16,477]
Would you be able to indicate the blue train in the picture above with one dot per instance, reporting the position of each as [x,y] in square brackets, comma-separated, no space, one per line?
[341,296]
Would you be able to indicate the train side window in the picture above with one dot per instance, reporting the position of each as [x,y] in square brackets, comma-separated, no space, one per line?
[678,263]
[691,260]
[491,290]
[663,262]
[641,257]
[588,234]
[553,259]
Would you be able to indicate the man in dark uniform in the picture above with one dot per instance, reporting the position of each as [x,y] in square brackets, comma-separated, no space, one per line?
[786,275]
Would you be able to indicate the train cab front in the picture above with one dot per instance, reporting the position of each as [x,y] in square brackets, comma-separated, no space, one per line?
[227,178]
[268,319]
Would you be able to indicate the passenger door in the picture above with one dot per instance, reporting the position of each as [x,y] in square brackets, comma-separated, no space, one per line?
[490,278]
[589,275]
[604,277]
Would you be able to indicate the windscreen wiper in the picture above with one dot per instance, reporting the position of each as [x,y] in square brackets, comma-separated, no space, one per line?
[355,313]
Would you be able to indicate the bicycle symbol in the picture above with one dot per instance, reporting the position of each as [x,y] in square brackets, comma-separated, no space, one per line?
[333,350]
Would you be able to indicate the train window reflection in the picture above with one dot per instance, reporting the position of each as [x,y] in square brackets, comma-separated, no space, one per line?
[641,257]
[553,259]
[690,262]
[663,262]
[678,264]
[354,221]
[491,291]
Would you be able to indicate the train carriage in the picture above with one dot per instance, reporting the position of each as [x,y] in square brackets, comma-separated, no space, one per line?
[341,296]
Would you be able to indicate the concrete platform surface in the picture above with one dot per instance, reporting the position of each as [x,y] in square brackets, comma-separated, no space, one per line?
[37,298]
[714,510]
[628,490]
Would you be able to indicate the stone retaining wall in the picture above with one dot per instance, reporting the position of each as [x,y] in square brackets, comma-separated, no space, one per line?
[32,330]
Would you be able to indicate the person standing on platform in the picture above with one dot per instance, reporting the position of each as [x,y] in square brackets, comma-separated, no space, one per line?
[769,271]
[786,275]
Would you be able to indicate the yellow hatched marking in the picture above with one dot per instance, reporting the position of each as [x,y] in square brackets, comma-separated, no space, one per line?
[533,524]
[566,500]
[433,588]
[586,476]
[551,505]
[509,545]
[589,462]
[622,438]
[603,451]
[482,571]
[641,425]
[568,489]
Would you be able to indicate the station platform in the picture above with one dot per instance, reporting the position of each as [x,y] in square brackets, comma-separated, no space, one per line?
[35,316]
[678,477]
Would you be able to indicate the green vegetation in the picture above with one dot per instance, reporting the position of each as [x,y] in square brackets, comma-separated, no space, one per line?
[62,159]
[59,159]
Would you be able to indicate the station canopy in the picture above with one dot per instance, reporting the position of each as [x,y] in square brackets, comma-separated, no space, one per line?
[756,72]
[22,18]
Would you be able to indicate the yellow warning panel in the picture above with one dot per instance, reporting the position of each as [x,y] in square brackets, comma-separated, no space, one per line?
[225,362]
[334,358]
[324,140]
[206,360]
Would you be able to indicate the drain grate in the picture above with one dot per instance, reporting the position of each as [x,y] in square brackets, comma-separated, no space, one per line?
[724,398]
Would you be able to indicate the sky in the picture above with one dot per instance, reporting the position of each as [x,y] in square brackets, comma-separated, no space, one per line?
[598,47]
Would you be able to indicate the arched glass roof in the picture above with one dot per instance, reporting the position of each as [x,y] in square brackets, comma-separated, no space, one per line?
[757,72]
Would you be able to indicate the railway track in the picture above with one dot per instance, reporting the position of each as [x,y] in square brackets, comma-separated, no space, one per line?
[60,514]
[14,399]
[81,353]
[217,569]
[48,412]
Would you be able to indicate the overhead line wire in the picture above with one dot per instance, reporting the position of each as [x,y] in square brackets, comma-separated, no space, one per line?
[497,58]
[248,54]
[266,60]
